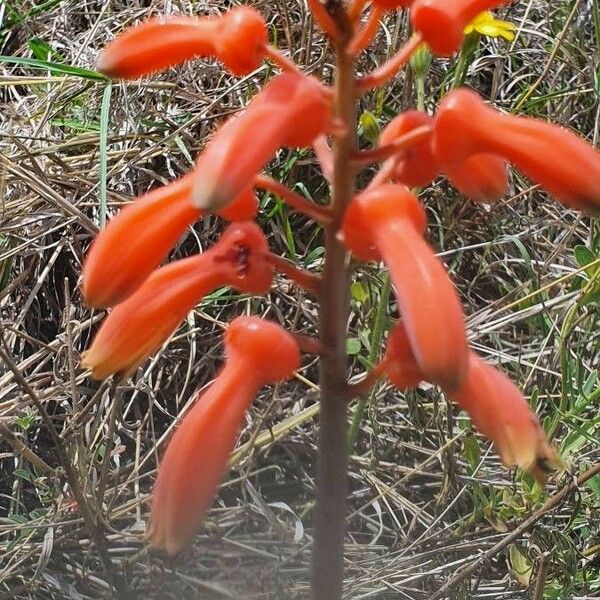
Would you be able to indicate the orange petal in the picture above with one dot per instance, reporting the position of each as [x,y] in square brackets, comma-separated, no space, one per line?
[499,411]
[428,304]
[441,23]
[416,166]
[196,458]
[384,203]
[135,242]
[481,177]
[236,37]
[156,45]
[399,363]
[242,39]
[143,322]
[560,161]
[291,111]
[427,301]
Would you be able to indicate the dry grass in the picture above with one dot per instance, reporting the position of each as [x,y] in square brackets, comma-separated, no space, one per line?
[424,502]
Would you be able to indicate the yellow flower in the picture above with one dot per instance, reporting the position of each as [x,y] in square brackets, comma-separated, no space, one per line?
[486,24]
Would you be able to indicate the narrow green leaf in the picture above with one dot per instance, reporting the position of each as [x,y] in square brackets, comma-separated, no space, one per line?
[104,114]
[53,67]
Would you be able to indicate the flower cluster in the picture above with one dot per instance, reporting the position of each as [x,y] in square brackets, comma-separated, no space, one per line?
[466,140]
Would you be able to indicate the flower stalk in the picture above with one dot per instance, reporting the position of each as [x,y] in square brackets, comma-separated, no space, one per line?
[332,479]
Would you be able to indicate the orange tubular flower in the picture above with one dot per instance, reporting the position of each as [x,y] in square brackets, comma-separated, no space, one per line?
[387,223]
[258,352]
[237,38]
[496,407]
[441,23]
[138,326]
[416,166]
[482,178]
[557,159]
[135,242]
[291,110]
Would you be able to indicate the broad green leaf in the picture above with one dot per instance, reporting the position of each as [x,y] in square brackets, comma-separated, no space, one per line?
[353,346]
[520,564]
[359,292]
[369,126]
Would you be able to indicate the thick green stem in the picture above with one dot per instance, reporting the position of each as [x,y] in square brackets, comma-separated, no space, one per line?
[328,554]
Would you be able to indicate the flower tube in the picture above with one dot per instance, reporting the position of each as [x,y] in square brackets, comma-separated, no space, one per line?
[135,242]
[495,405]
[257,352]
[292,110]
[141,324]
[387,223]
[499,411]
[442,23]
[415,166]
[237,38]
[482,178]
[560,161]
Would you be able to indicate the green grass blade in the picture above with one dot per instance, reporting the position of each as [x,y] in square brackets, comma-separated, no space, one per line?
[53,67]
[104,114]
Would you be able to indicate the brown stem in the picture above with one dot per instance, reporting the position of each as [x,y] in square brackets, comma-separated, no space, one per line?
[389,68]
[332,482]
[364,37]
[294,200]
[305,279]
[25,452]
[365,157]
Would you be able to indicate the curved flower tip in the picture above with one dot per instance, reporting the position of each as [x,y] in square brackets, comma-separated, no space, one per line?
[237,38]
[138,239]
[387,223]
[291,110]
[558,160]
[442,23]
[500,412]
[258,352]
[137,327]
[416,166]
